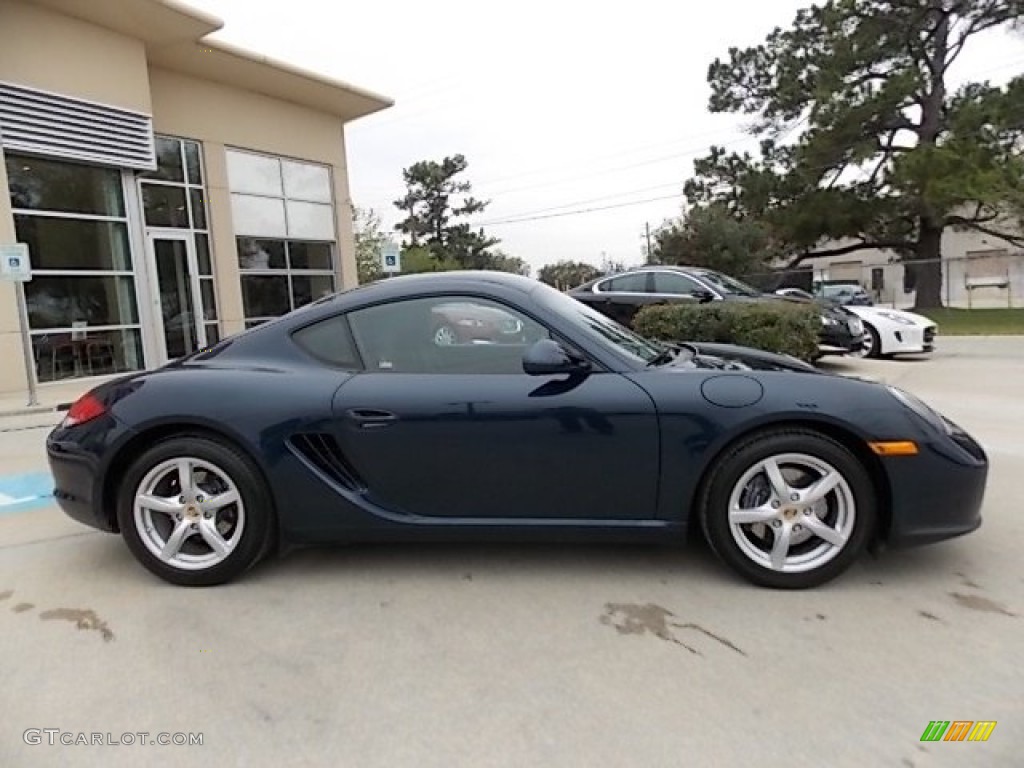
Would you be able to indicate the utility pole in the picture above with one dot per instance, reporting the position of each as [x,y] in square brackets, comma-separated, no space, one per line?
[647,229]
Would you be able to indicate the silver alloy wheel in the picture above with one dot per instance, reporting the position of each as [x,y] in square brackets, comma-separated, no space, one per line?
[792,512]
[444,336]
[189,513]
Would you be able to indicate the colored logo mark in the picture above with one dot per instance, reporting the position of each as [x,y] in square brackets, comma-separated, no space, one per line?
[958,730]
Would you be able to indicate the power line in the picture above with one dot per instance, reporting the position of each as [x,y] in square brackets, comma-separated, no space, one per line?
[576,213]
[548,209]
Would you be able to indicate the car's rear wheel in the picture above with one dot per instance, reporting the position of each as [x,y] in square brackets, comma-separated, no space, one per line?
[195,511]
[445,336]
[790,509]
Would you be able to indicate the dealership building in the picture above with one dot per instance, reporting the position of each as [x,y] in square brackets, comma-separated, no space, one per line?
[170,189]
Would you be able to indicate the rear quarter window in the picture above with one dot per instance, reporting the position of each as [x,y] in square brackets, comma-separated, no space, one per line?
[329,341]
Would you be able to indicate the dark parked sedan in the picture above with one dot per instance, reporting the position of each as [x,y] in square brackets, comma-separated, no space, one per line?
[346,421]
[622,295]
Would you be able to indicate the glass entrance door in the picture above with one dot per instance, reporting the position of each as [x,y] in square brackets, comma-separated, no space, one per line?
[177,286]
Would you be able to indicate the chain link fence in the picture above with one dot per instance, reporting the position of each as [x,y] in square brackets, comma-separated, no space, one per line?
[982,280]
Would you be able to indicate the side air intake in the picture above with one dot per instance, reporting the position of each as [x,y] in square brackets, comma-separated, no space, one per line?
[323,452]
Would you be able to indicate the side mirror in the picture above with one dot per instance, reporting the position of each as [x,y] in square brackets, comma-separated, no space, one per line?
[703,296]
[547,357]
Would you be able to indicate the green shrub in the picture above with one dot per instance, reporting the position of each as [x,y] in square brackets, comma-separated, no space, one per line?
[783,327]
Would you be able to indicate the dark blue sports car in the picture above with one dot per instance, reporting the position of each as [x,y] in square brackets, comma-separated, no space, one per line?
[485,405]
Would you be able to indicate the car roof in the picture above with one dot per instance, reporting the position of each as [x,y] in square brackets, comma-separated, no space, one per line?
[644,268]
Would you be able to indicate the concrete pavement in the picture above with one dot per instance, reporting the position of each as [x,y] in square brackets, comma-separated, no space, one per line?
[528,656]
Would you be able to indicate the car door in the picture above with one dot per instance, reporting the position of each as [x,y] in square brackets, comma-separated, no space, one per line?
[445,424]
[622,296]
[676,287]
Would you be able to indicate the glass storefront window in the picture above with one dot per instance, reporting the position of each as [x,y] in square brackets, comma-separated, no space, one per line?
[82,306]
[60,244]
[203,254]
[63,301]
[310,255]
[165,206]
[169,166]
[281,275]
[265,295]
[38,184]
[66,355]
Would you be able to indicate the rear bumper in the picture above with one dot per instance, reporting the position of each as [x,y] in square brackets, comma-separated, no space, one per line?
[76,458]
[939,493]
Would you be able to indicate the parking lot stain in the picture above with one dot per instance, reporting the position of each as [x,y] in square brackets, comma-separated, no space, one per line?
[929,616]
[6,594]
[83,619]
[632,619]
[981,604]
[22,607]
[967,582]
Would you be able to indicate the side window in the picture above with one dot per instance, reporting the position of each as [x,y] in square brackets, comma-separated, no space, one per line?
[632,283]
[450,334]
[329,340]
[674,283]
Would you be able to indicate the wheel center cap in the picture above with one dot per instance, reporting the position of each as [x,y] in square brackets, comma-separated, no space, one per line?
[192,511]
[790,512]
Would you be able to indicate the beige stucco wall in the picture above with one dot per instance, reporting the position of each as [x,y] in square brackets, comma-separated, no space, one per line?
[220,117]
[46,50]
[99,65]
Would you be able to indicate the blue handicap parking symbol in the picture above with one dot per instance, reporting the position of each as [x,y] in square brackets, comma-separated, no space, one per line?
[20,493]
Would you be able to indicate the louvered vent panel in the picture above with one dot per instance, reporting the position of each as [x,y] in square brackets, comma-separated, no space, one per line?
[324,453]
[48,124]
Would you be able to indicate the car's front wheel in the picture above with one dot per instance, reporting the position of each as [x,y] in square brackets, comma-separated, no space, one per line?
[195,511]
[789,509]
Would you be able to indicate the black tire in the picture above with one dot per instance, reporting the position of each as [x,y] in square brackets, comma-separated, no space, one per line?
[737,460]
[875,344]
[258,531]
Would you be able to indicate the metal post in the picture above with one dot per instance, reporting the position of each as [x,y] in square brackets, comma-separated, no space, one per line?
[26,345]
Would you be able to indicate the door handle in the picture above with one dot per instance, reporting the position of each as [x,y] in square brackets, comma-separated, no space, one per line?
[371,418]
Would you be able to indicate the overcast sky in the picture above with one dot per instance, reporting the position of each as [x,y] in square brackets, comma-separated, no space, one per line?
[558,106]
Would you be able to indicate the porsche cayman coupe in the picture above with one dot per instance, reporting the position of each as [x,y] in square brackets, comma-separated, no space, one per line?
[350,420]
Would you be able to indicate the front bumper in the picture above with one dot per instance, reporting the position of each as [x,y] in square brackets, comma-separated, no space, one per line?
[937,494]
[838,340]
[908,339]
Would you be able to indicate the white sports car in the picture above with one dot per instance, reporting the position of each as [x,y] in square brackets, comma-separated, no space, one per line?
[894,331]
[887,331]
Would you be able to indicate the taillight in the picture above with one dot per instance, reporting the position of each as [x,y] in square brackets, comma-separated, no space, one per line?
[86,408]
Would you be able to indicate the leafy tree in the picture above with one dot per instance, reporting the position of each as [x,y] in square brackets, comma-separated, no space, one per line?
[435,202]
[889,156]
[419,258]
[369,239]
[565,275]
[502,262]
[710,236]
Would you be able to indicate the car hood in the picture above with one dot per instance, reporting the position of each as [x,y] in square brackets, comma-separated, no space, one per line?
[732,357]
[867,313]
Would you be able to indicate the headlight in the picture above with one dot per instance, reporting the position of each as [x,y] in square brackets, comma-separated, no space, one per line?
[826,320]
[896,318]
[922,409]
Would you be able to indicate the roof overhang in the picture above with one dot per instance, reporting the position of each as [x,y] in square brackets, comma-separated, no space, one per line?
[176,38]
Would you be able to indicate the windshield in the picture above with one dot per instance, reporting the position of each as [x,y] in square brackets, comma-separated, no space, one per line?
[595,325]
[728,285]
